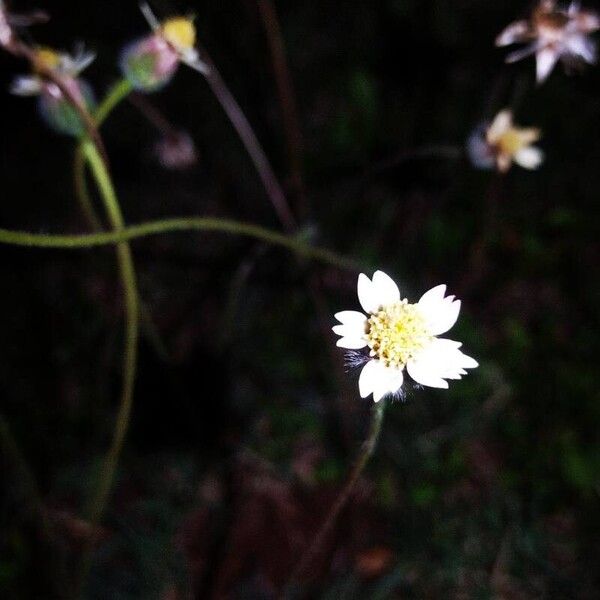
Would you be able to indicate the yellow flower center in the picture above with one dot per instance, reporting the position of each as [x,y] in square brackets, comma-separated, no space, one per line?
[396,333]
[47,58]
[511,142]
[179,32]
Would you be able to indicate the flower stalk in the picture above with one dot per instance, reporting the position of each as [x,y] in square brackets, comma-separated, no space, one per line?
[367,450]
[127,269]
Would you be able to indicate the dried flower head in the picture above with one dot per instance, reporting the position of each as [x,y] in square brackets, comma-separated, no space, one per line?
[401,335]
[151,62]
[554,33]
[57,110]
[502,143]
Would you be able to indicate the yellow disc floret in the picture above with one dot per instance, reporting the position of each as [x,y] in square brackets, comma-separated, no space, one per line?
[515,139]
[396,333]
[46,58]
[180,32]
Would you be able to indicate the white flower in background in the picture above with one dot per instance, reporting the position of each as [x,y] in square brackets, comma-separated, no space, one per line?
[501,143]
[552,34]
[400,335]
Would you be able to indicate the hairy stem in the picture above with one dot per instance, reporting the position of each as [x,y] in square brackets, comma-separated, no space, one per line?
[127,269]
[368,448]
[79,241]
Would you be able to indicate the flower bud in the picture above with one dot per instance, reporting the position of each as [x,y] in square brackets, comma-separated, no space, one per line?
[59,113]
[150,63]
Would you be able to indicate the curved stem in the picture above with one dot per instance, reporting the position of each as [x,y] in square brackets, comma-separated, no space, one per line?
[79,241]
[115,217]
[115,95]
[257,154]
[367,450]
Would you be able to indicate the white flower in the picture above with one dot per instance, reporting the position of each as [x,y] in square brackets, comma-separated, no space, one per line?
[503,143]
[552,34]
[67,66]
[399,335]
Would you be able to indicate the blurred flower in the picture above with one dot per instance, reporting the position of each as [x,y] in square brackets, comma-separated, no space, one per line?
[6,33]
[55,108]
[9,20]
[501,143]
[552,34]
[151,62]
[176,151]
[399,335]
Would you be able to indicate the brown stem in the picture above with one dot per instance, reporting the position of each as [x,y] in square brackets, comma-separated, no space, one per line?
[287,98]
[153,115]
[251,143]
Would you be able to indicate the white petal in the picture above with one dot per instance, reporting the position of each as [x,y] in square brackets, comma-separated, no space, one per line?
[441,360]
[582,46]
[574,8]
[366,294]
[546,59]
[500,125]
[351,343]
[445,317]
[350,330]
[588,21]
[515,32]
[389,382]
[421,373]
[386,290]
[521,53]
[349,317]
[467,362]
[529,157]
[26,86]
[440,313]
[368,378]
[433,295]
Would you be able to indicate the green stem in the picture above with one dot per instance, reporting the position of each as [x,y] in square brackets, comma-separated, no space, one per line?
[115,95]
[316,546]
[127,269]
[22,238]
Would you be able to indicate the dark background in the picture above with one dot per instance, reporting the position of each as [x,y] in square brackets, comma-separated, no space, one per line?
[242,438]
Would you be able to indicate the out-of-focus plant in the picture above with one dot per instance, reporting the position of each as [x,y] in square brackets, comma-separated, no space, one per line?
[501,143]
[553,34]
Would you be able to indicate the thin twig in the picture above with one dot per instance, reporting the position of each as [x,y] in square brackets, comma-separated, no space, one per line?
[251,143]
[368,448]
[287,99]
